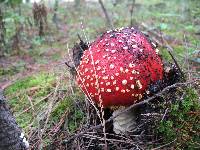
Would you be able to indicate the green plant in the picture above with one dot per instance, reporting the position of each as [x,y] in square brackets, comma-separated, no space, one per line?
[11,2]
[63,106]
[37,40]
[183,122]
[75,115]
[13,21]
[76,120]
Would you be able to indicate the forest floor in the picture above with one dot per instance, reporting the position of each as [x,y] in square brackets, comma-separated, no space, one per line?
[27,63]
[38,84]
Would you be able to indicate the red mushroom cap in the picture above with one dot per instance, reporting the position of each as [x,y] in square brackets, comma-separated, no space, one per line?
[118,67]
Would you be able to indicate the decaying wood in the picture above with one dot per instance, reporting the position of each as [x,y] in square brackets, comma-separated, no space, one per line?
[9,130]
[77,52]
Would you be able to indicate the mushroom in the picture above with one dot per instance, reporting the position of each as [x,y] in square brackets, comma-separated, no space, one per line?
[116,71]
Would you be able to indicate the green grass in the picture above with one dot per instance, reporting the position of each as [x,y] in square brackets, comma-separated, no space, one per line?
[61,107]
[76,120]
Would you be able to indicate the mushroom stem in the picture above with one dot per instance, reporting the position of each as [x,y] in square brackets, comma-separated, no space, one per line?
[124,122]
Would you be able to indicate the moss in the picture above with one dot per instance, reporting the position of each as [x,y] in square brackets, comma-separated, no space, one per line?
[75,115]
[41,80]
[75,122]
[183,122]
[24,120]
[63,106]
[32,88]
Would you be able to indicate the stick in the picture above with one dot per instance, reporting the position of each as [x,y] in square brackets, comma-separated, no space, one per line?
[106,14]
[176,63]
[131,12]
[165,44]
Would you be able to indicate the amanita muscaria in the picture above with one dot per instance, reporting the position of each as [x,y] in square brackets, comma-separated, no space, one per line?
[118,67]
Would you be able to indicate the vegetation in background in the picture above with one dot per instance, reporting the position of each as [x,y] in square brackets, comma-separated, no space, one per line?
[2,34]
[40,17]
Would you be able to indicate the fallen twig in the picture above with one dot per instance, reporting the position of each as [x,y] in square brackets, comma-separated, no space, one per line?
[162,146]
[169,48]
[48,112]
[164,44]
[131,12]
[17,115]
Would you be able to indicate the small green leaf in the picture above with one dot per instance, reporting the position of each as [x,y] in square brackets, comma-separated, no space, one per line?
[163,26]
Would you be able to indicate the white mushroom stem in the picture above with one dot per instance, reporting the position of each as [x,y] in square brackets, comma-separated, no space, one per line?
[124,122]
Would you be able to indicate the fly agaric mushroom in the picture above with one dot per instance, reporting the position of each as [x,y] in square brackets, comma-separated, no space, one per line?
[117,69]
